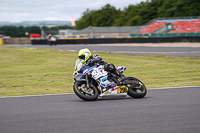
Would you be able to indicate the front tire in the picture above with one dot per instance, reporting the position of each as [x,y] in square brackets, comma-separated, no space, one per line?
[82,92]
[138,91]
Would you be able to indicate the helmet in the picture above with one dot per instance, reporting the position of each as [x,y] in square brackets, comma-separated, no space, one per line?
[84,54]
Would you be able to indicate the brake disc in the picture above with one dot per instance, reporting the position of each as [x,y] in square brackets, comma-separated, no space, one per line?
[86,90]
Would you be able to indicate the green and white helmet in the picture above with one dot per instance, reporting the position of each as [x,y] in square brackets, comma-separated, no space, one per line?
[84,54]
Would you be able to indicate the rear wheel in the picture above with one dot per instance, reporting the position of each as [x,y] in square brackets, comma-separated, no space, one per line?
[138,91]
[87,94]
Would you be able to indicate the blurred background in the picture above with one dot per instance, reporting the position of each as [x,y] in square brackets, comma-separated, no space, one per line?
[30,22]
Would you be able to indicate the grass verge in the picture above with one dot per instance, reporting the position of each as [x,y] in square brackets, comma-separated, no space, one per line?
[27,71]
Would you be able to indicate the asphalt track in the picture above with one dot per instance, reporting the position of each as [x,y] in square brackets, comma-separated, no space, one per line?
[172,110]
[133,50]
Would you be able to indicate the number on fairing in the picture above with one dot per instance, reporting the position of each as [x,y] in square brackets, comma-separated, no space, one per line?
[98,72]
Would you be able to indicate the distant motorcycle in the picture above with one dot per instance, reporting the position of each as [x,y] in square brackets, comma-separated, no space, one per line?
[93,82]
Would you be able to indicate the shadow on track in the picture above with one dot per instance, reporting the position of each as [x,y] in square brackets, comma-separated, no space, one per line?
[111,99]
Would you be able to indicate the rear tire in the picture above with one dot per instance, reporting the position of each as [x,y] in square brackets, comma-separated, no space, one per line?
[83,94]
[139,91]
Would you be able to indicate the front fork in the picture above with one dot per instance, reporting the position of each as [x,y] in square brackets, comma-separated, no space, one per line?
[87,82]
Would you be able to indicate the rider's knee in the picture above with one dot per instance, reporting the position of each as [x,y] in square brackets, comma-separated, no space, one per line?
[110,68]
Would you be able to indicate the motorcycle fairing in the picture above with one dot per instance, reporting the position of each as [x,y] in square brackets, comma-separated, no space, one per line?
[98,72]
[121,69]
[87,69]
[108,88]
[80,77]
[115,91]
[104,82]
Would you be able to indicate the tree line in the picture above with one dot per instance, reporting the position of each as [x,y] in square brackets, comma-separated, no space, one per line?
[21,31]
[139,14]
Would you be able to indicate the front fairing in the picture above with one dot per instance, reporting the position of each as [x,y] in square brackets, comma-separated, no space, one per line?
[86,69]
[80,77]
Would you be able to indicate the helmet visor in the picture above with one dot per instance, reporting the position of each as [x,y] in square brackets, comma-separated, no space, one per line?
[82,57]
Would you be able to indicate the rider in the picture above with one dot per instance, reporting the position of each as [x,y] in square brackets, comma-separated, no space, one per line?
[86,58]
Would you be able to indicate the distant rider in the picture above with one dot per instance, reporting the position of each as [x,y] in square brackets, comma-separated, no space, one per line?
[86,58]
[51,40]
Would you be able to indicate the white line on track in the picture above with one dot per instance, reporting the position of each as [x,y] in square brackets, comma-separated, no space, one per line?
[73,93]
[175,87]
[154,52]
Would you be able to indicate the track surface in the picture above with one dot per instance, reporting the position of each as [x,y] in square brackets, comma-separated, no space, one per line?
[174,110]
[133,50]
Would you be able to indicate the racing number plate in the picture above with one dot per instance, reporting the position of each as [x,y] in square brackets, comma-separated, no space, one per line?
[122,89]
[98,72]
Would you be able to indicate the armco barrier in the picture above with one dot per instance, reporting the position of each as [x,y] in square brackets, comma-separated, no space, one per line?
[119,40]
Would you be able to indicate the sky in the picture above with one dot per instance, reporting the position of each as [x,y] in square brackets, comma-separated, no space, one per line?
[38,10]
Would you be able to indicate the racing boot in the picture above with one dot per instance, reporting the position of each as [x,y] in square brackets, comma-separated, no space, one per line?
[122,77]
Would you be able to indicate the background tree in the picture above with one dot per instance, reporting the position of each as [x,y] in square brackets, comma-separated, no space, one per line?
[106,16]
[139,14]
[19,31]
[86,19]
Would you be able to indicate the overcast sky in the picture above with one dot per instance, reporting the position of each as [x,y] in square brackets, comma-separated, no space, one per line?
[34,10]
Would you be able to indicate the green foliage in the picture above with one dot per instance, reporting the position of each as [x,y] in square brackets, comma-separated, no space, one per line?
[139,14]
[15,31]
[179,8]
[86,19]
[106,16]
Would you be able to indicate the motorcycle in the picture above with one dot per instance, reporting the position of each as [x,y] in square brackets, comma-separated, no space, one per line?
[93,82]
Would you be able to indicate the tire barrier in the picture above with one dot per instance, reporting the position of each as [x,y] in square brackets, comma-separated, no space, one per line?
[118,40]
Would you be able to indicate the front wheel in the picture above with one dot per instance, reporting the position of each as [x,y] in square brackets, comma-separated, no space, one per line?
[87,94]
[138,91]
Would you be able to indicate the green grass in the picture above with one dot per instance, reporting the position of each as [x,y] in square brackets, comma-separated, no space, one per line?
[26,71]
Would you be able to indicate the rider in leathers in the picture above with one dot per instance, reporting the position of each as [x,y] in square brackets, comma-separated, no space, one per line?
[86,58]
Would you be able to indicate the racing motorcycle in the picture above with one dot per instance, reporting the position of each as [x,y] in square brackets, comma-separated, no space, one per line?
[93,82]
